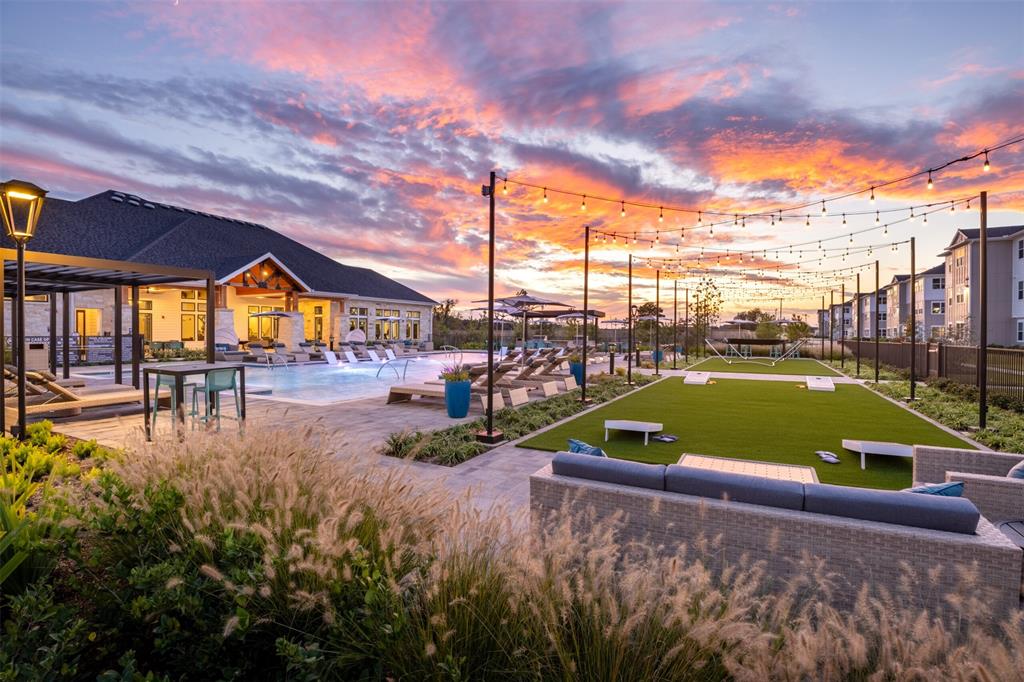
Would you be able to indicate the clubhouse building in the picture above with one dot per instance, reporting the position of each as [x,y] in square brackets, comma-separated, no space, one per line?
[256,270]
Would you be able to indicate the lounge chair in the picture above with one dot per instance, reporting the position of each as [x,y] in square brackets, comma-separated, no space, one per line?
[330,357]
[311,349]
[390,353]
[11,374]
[62,399]
[373,356]
[350,357]
[405,393]
[290,355]
[259,355]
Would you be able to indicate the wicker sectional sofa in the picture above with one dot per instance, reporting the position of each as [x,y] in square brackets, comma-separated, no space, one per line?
[864,536]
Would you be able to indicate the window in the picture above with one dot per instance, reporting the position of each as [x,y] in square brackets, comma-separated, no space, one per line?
[261,327]
[938,308]
[318,322]
[357,319]
[1020,249]
[938,282]
[38,298]
[387,324]
[1020,330]
[412,324]
[1020,290]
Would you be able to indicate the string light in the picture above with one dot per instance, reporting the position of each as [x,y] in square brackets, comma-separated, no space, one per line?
[808,223]
[952,207]
[583,204]
[661,215]
[700,218]
[987,167]
[925,221]
[823,210]
[931,185]
[622,213]
[844,219]
[872,195]
[545,195]
[878,219]
[504,188]
[911,219]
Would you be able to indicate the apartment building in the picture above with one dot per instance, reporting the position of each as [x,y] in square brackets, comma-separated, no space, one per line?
[930,303]
[1005,290]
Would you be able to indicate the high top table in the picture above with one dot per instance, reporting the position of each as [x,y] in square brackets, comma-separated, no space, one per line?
[180,370]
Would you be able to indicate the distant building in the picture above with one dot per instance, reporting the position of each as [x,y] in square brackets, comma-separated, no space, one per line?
[930,299]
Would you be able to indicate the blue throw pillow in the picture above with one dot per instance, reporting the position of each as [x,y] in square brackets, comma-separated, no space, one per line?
[1017,471]
[951,489]
[582,448]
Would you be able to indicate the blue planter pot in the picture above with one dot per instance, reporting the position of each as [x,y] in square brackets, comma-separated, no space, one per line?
[658,355]
[576,369]
[456,398]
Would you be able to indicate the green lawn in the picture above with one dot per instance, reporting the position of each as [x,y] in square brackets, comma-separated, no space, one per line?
[801,367]
[772,421]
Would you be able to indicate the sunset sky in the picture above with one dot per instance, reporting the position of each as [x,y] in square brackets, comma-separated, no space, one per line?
[366,129]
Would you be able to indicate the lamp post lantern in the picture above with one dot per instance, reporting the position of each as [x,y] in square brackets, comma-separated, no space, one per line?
[20,203]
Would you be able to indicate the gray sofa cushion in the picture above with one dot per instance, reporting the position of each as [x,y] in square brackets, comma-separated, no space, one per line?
[609,470]
[736,487]
[953,514]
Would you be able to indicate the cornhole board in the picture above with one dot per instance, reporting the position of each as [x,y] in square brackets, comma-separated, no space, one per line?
[646,428]
[820,384]
[697,378]
[874,447]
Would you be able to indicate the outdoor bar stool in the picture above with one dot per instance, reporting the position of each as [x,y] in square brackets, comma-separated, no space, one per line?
[163,380]
[217,382]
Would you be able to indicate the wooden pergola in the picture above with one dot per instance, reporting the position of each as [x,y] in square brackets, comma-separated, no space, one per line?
[54,273]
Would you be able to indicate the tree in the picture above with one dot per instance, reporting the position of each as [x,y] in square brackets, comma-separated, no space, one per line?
[767,330]
[645,328]
[755,315]
[443,311]
[798,329]
[706,306]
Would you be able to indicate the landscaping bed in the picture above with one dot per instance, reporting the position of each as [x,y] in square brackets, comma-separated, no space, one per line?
[452,446]
[272,556]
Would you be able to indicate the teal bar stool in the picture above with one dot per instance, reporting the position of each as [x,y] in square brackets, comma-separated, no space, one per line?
[217,381]
[162,380]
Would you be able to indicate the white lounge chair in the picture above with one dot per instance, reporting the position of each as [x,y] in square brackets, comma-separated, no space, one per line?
[373,356]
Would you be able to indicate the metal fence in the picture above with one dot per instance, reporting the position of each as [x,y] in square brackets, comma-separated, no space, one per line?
[958,363]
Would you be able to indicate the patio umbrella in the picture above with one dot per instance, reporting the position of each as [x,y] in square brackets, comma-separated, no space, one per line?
[522,304]
[579,315]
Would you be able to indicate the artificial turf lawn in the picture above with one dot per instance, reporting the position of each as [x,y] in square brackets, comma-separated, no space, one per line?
[772,421]
[798,367]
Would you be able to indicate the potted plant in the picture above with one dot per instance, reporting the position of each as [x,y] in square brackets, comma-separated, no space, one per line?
[456,390]
[576,367]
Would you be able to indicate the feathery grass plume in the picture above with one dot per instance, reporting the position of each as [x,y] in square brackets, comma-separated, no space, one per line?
[292,538]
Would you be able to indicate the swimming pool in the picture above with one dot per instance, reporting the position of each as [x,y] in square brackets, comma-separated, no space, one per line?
[319,384]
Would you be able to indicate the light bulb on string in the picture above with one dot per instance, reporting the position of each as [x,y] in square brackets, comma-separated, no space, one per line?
[808,223]
[504,188]
[925,221]
[622,213]
[583,204]
[878,218]
[968,204]
[931,185]
[952,207]
[823,211]
[911,219]
[634,237]
[886,230]
[987,167]
[700,218]
[844,219]
[743,222]
[545,195]
[661,215]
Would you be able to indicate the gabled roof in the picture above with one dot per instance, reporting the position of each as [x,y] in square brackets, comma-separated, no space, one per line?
[973,234]
[939,269]
[121,226]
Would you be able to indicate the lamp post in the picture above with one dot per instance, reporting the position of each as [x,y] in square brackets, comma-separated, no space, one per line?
[21,203]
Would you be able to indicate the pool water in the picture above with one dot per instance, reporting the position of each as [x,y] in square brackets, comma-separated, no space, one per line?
[320,384]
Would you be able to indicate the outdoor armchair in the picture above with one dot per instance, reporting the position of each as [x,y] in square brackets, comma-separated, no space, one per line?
[983,474]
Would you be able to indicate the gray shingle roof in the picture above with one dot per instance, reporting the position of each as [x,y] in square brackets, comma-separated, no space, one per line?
[120,226]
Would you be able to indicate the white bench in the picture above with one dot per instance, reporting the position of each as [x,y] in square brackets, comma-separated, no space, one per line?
[646,428]
[874,447]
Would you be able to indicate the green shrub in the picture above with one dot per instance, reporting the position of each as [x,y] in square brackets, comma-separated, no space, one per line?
[401,443]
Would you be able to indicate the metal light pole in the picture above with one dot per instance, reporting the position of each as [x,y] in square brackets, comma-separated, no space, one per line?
[629,333]
[675,320]
[490,435]
[913,320]
[657,321]
[832,325]
[860,321]
[586,303]
[21,205]
[842,326]
[823,325]
[686,328]
[878,319]
[983,313]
